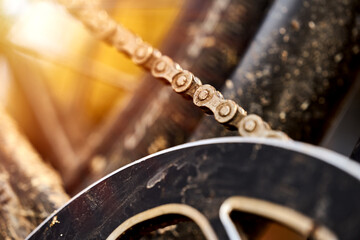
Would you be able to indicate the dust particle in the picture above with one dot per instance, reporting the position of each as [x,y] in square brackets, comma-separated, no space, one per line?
[266,72]
[250,76]
[284,55]
[315,44]
[259,74]
[54,221]
[300,62]
[282,116]
[286,38]
[318,69]
[296,72]
[338,57]
[282,31]
[158,144]
[229,84]
[295,24]
[304,105]
[356,49]
[325,73]
[341,22]
[311,25]
[98,164]
[264,101]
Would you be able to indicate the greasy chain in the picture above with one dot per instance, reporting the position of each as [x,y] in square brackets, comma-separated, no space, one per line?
[225,111]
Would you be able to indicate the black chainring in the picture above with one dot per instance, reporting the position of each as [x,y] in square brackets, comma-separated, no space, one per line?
[317,183]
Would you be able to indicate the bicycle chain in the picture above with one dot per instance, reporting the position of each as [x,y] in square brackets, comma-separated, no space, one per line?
[183,82]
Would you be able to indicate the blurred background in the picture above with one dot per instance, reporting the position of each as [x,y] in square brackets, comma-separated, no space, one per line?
[58,82]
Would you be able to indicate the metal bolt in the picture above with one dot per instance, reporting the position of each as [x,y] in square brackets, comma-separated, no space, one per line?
[204,94]
[250,125]
[224,110]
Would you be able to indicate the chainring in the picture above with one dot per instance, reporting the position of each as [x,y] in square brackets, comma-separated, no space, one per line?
[202,176]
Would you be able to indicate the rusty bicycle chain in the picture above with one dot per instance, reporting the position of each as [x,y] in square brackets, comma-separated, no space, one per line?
[183,82]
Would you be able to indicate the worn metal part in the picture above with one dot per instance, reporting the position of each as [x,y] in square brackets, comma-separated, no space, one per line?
[103,26]
[206,180]
[298,69]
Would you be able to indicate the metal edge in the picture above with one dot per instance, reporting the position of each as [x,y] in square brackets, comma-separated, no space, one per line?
[327,156]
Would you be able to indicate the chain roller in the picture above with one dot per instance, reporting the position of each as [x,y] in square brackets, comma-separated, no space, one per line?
[225,111]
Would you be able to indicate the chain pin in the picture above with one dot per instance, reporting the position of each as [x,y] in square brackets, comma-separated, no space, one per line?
[181,81]
[203,95]
[224,110]
[250,125]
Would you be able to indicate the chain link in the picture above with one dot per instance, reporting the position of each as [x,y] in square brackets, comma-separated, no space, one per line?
[225,111]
